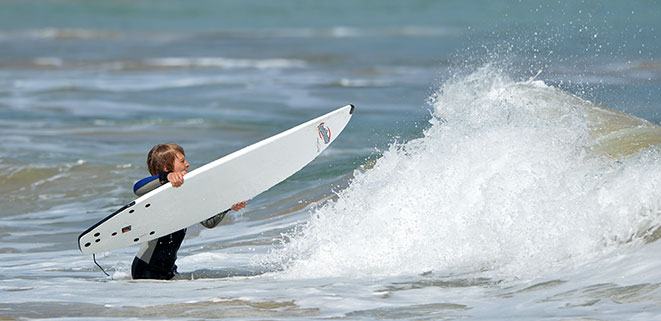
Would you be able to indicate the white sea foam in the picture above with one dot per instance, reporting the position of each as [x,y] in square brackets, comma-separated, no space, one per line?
[55,33]
[352,32]
[502,183]
[221,62]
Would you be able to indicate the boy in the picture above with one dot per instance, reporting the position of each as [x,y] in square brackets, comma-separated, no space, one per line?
[156,258]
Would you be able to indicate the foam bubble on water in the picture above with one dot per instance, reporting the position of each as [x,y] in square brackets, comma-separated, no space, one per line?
[121,271]
[503,182]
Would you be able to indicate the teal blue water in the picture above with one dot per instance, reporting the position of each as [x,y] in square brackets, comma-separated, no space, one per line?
[88,87]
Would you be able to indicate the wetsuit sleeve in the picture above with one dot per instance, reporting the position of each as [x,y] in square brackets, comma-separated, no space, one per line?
[214,220]
[150,183]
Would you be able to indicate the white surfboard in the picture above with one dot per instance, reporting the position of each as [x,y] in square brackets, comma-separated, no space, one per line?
[215,186]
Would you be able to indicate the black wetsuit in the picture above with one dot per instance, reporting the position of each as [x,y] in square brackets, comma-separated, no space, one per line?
[160,255]
[156,258]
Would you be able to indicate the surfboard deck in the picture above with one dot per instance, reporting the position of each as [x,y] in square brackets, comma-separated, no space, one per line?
[216,186]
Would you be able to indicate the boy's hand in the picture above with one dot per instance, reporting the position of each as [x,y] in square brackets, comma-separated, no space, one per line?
[176,178]
[239,206]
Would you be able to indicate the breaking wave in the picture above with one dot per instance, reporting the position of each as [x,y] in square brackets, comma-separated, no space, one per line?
[512,178]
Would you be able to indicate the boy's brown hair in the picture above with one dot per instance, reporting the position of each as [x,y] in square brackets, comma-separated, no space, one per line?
[163,155]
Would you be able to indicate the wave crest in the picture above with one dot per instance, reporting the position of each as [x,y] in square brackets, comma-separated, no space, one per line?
[507,180]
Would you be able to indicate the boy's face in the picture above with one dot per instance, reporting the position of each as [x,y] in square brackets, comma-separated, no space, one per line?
[180,163]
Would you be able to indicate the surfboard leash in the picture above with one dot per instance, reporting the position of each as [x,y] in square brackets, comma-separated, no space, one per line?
[97,264]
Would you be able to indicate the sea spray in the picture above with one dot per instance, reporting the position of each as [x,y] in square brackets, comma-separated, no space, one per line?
[503,183]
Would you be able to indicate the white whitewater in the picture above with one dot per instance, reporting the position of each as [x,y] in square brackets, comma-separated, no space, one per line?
[511,180]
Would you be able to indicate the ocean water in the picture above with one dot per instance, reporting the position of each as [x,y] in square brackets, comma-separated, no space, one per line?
[503,161]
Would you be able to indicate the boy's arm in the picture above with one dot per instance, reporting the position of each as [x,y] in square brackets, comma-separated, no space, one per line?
[214,220]
[150,183]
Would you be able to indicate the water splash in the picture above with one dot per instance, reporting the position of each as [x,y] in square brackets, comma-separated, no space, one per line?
[504,182]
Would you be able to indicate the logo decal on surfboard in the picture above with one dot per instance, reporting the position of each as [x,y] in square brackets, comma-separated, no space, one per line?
[324,133]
